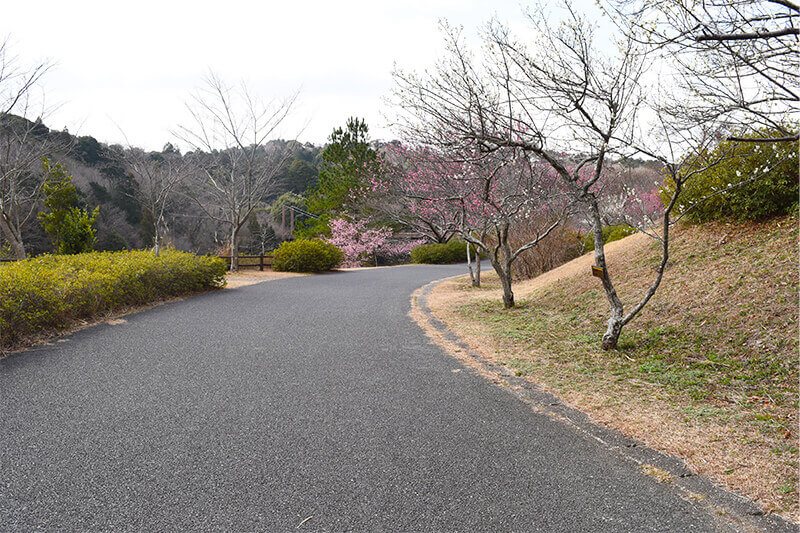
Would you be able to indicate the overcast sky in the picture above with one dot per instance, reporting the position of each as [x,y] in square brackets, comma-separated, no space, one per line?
[134,67]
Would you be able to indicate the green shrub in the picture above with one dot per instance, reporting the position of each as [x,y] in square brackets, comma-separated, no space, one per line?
[774,192]
[610,234]
[306,255]
[440,254]
[78,233]
[55,291]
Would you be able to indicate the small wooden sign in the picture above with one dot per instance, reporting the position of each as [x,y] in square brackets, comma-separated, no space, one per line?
[598,272]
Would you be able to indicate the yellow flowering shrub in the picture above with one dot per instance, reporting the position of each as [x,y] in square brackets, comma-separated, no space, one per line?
[54,291]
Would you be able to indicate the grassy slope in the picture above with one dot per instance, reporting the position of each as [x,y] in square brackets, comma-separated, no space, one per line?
[708,371]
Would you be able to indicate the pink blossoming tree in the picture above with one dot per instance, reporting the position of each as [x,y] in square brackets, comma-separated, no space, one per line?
[476,195]
[361,244]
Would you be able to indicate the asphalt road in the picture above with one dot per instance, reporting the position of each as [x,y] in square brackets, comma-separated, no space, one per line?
[303,404]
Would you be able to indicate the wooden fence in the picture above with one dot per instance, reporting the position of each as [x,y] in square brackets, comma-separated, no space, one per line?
[246,261]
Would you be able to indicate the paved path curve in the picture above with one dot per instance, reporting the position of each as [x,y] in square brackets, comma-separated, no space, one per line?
[311,400]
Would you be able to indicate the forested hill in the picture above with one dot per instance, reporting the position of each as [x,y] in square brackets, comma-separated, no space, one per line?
[104,179]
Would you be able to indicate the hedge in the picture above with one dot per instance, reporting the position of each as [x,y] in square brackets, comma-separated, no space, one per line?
[440,254]
[306,255]
[56,291]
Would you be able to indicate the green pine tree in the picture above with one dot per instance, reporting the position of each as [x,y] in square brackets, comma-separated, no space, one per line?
[346,163]
[78,233]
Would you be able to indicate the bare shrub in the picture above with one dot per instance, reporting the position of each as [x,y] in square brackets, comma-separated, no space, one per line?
[562,245]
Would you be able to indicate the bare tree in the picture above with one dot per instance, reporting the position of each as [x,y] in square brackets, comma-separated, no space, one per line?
[157,177]
[736,61]
[501,190]
[265,236]
[239,167]
[555,102]
[23,143]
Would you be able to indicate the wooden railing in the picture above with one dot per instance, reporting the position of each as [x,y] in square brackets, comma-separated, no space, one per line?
[246,261]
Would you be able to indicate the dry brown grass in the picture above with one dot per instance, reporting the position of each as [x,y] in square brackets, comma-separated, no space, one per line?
[249,277]
[708,372]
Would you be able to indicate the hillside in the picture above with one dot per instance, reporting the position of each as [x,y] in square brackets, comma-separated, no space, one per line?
[103,176]
[707,372]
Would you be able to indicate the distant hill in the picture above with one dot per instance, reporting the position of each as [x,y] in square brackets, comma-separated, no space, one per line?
[103,180]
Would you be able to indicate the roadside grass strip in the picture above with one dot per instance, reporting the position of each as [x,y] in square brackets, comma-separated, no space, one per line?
[708,372]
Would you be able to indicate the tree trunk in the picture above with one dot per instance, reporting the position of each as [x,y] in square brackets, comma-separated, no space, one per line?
[157,232]
[615,323]
[613,331]
[469,266]
[156,243]
[505,273]
[13,237]
[508,294]
[505,281]
[474,275]
[234,249]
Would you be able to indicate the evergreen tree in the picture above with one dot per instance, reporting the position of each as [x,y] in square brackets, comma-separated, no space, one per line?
[59,196]
[346,163]
[70,228]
